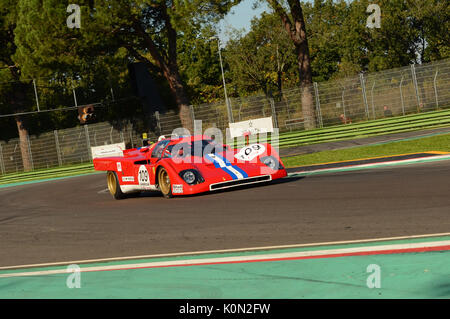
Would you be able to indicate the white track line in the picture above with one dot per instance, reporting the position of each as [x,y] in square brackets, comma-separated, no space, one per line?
[240,259]
[193,253]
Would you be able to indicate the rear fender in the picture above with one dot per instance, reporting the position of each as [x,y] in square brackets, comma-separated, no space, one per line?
[109,164]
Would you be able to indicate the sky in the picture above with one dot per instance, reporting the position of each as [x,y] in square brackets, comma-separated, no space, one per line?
[240,17]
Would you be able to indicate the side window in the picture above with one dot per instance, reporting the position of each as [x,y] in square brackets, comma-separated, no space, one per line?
[159,148]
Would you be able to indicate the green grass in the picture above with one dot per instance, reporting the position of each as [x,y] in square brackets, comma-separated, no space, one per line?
[55,172]
[440,143]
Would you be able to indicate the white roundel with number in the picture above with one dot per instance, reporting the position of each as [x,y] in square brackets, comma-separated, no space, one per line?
[143,176]
[249,152]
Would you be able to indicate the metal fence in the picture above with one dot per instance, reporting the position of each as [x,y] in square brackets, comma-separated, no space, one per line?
[396,92]
[65,147]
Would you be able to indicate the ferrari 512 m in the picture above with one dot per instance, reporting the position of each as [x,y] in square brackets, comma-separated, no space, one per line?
[189,165]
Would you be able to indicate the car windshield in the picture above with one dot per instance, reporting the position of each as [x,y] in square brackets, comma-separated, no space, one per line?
[195,148]
[159,148]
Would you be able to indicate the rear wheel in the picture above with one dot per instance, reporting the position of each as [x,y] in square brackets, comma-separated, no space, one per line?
[164,183]
[114,186]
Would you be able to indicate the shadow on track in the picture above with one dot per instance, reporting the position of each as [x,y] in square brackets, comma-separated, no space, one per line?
[287,179]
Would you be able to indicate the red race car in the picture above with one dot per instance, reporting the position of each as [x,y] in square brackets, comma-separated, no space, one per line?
[189,165]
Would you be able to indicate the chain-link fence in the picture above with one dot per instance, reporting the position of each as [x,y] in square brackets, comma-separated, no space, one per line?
[65,147]
[396,92]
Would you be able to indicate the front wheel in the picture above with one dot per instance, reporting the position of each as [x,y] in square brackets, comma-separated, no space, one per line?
[114,186]
[164,183]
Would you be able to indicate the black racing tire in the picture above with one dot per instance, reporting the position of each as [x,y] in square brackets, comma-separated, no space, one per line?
[114,186]
[164,182]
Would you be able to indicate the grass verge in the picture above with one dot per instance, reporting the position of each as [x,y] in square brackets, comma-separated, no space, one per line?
[439,143]
[55,172]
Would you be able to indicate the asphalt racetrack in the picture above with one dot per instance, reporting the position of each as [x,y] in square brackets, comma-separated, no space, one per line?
[76,218]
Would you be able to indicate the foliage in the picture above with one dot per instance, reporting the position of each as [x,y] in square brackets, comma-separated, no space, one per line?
[262,59]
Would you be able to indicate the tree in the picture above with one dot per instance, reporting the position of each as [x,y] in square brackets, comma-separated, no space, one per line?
[155,27]
[325,19]
[150,31]
[262,59]
[14,92]
[198,58]
[294,23]
[431,22]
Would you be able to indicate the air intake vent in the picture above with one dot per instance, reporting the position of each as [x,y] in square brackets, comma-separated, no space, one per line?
[240,182]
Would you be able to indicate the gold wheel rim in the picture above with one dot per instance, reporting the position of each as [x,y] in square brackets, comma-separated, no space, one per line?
[112,185]
[164,181]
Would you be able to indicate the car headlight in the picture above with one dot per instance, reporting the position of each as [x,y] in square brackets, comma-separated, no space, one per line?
[271,162]
[191,177]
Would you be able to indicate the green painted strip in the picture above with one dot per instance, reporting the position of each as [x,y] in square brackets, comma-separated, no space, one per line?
[402,276]
[411,275]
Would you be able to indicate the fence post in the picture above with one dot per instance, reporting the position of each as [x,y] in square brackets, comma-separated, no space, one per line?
[435,89]
[416,86]
[363,87]
[343,102]
[75,97]
[274,112]
[130,134]
[36,95]
[158,122]
[401,96]
[230,111]
[111,134]
[2,164]
[29,152]
[58,148]
[191,109]
[318,109]
[88,141]
[373,104]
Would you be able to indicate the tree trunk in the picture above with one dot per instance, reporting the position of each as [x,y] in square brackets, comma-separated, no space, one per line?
[19,101]
[309,113]
[23,143]
[294,24]
[167,63]
[176,86]
[304,64]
